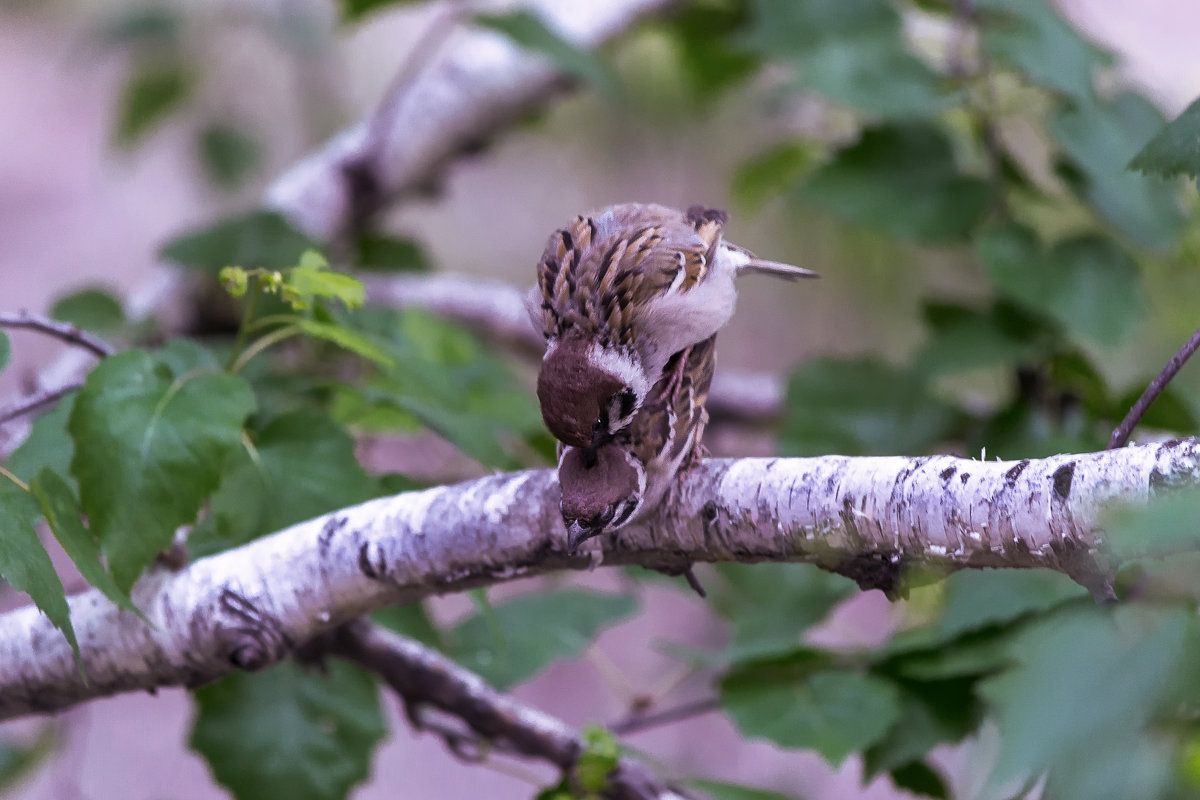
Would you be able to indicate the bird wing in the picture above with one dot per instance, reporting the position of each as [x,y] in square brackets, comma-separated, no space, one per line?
[597,273]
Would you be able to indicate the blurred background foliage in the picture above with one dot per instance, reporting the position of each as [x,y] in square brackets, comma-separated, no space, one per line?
[1000,284]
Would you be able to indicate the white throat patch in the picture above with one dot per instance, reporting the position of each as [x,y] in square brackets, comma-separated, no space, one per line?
[623,366]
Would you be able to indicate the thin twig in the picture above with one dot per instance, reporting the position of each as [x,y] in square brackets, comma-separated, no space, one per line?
[640,722]
[423,677]
[1121,434]
[26,404]
[59,330]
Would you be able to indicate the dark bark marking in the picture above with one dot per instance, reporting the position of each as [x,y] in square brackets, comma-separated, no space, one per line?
[1011,476]
[1062,480]
[874,571]
[964,477]
[373,570]
[331,527]
[948,473]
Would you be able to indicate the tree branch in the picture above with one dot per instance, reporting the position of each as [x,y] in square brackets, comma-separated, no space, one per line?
[480,85]
[1121,433]
[496,310]
[863,517]
[423,677]
[35,400]
[59,330]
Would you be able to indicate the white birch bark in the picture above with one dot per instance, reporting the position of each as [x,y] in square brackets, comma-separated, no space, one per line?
[864,517]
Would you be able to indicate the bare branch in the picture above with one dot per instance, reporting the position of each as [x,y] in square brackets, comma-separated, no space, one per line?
[867,518]
[496,310]
[59,330]
[642,721]
[31,402]
[1120,434]
[423,677]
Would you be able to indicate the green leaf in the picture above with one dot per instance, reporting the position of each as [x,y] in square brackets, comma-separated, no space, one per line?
[411,620]
[346,339]
[312,278]
[228,153]
[62,514]
[841,49]
[25,564]
[849,70]
[93,309]
[975,598]
[355,10]
[18,760]
[522,637]
[257,239]
[703,33]
[1030,36]
[752,595]
[182,356]
[901,179]
[150,445]
[530,31]
[1087,685]
[48,444]
[289,734]
[443,379]
[772,172]
[1176,148]
[377,252]
[1099,140]
[302,465]
[964,338]
[142,24]
[1087,283]
[720,790]
[598,759]
[151,94]
[931,713]
[920,779]
[1169,524]
[840,407]
[5,350]
[834,713]
[785,29]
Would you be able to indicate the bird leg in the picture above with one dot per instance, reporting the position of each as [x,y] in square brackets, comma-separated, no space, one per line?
[674,375]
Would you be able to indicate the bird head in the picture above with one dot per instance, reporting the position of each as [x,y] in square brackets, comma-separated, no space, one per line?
[589,391]
[602,489]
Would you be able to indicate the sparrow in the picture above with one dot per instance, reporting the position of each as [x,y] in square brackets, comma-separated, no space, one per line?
[618,293]
[607,487]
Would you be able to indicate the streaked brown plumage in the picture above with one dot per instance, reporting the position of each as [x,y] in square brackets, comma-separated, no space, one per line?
[618,293]
[607,487]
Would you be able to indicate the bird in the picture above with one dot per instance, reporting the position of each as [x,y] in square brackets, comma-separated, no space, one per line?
[607,487]
[618,293]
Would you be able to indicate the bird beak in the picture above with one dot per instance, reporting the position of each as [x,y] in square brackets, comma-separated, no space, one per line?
[577,535]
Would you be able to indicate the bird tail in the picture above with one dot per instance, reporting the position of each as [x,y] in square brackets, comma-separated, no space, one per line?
[779,270]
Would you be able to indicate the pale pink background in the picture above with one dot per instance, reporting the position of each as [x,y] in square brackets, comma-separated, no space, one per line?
[73,211]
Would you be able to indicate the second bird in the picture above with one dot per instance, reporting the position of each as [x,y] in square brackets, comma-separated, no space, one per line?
[619,293]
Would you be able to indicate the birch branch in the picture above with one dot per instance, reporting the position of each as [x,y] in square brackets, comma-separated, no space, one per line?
[863,517]
[481,83]
[479,86]
[423,677]
[496,310]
